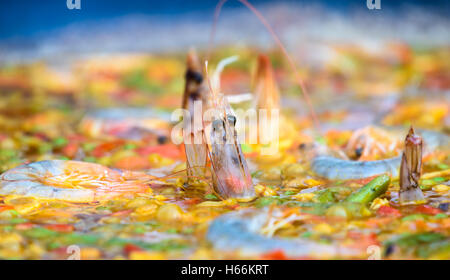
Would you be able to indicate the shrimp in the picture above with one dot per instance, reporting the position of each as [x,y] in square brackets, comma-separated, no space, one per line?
[276,131]
[230,173]
[339,169]
[369,142]
[241,231]
[128,123]
[72,181]
[410,169]
[194,92]
[267,105]
[267,95]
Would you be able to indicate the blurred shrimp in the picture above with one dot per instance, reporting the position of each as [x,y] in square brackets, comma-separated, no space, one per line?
[72,181]
[334,168]
[369,142]
[267,103]
[194,95]
[267,95]
[276,131]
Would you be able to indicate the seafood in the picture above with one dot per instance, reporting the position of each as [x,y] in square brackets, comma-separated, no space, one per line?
[369,142]
[410,169]
[194,95]
[240,231]
[266,91]
[231,176]
[128,123]
[342,169]
[366,141]
[267,105]
[72,181]
[80,210]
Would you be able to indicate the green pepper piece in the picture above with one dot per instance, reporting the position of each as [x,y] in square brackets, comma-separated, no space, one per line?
[371,190]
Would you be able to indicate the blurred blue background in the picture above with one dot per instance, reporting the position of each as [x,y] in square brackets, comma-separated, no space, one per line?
[24,18]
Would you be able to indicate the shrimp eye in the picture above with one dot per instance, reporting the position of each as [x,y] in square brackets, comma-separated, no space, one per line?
[194,75]
[195,96]
[231,119]
[218,128]
[217,125]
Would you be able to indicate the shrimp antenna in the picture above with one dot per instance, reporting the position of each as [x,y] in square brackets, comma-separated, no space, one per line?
[211,88]
[214,82]
[171,175]
[277,41]
[215,106]
[219,69]
[209,82]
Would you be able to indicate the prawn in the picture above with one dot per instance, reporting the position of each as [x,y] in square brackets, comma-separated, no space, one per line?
[334,168]
[410,169]
[194,92]
[230,174]
[73,181]
[267,105]
[267,94]
[229,171]
[242,230]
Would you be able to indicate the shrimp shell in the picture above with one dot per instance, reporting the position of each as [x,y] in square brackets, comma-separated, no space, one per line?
[36,179]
